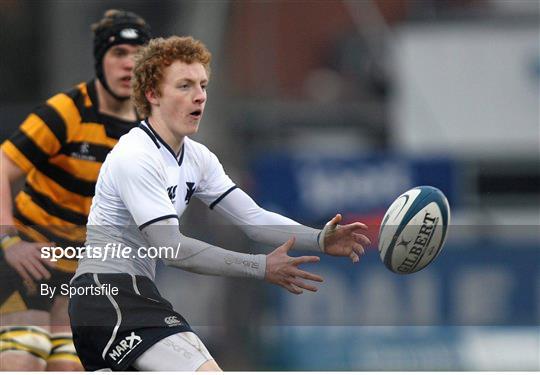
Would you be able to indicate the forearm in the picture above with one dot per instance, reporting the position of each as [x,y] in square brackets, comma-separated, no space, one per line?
[9,172]
[200,257]
[279,229]
[265,226]
[6,205]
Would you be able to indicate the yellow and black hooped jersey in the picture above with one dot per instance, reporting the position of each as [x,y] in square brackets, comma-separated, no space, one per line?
[61,146]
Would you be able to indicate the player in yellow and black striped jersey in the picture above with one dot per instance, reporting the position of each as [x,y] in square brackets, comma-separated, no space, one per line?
[59,149]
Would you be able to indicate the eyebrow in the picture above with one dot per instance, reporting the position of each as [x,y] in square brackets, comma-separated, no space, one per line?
[119,48]
[189,80]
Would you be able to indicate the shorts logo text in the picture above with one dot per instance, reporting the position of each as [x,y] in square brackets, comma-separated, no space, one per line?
[124,347]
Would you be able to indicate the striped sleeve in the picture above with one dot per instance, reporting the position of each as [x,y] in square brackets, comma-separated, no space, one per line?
[40,136]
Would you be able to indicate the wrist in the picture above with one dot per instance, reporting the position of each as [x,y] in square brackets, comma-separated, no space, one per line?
[320,238]
[260,272]
[9,239]
[8,229]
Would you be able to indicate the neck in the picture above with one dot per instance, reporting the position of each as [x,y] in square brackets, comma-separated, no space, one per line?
[109,105]
[160,127]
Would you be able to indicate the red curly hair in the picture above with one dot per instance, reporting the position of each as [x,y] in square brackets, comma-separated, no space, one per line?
[152,60]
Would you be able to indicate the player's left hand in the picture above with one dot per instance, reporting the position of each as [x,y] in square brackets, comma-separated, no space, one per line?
[344,240]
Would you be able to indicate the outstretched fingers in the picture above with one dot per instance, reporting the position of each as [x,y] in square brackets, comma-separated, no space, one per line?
[292,288]
[300,284]
[361,239]
[354,227]
[307,275]
[354,257]
[297,276]
[305,259]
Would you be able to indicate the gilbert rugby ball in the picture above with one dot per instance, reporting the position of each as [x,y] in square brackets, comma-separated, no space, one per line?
[414,229]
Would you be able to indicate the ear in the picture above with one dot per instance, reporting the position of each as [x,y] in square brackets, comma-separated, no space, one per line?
[152,97]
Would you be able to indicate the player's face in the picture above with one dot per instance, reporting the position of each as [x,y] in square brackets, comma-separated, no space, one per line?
[183,97]
[118,68]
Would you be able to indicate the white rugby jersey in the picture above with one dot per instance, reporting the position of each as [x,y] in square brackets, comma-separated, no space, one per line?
[141,182]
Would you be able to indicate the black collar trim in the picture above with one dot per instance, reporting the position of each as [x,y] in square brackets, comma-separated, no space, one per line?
[155,136]
[181,159]
[149,132]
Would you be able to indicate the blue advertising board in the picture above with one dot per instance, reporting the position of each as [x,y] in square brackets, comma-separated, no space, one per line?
[313,187]
[476,307]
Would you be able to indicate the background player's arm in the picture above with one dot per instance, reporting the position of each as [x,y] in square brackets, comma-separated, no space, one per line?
[10,174]
[24,257]
[200,257]
[274,229]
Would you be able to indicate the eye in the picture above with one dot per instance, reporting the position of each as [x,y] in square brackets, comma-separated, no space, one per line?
[119,52]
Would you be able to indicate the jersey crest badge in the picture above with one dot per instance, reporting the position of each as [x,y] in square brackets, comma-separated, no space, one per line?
[171,191]
[190,190]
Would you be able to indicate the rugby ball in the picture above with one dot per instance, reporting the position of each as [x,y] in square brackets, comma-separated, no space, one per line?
[414,229]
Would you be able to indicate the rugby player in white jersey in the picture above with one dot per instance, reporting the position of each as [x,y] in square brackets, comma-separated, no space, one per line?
[143,188]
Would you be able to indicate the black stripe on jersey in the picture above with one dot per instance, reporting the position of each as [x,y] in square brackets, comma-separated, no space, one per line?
[114,127]
[98,151]
[28,148]
[40,161]
[150,134]
[58,241]
[53,209]
[141,227]
[88,114]
[54,121]
[221,197]
[68,181]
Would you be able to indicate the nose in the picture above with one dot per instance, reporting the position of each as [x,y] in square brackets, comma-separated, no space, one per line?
[129,62]
[200,96]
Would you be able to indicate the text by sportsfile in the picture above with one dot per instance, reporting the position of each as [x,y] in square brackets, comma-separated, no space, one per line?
[70,291]
[109,251]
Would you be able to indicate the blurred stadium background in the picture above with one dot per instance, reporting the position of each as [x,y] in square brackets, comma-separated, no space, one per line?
[318,107]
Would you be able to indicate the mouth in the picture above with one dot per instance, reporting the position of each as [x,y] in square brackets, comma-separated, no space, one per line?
[196,114]
[126,80]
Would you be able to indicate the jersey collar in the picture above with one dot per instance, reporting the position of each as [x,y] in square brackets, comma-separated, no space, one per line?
[158,141]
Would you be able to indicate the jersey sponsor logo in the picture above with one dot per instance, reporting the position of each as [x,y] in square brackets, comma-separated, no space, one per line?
[171,191]
[84,153]
[190,190]
[172,321]
[125,347]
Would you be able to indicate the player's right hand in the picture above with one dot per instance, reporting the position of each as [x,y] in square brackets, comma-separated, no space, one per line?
[25,258]
[281,269]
